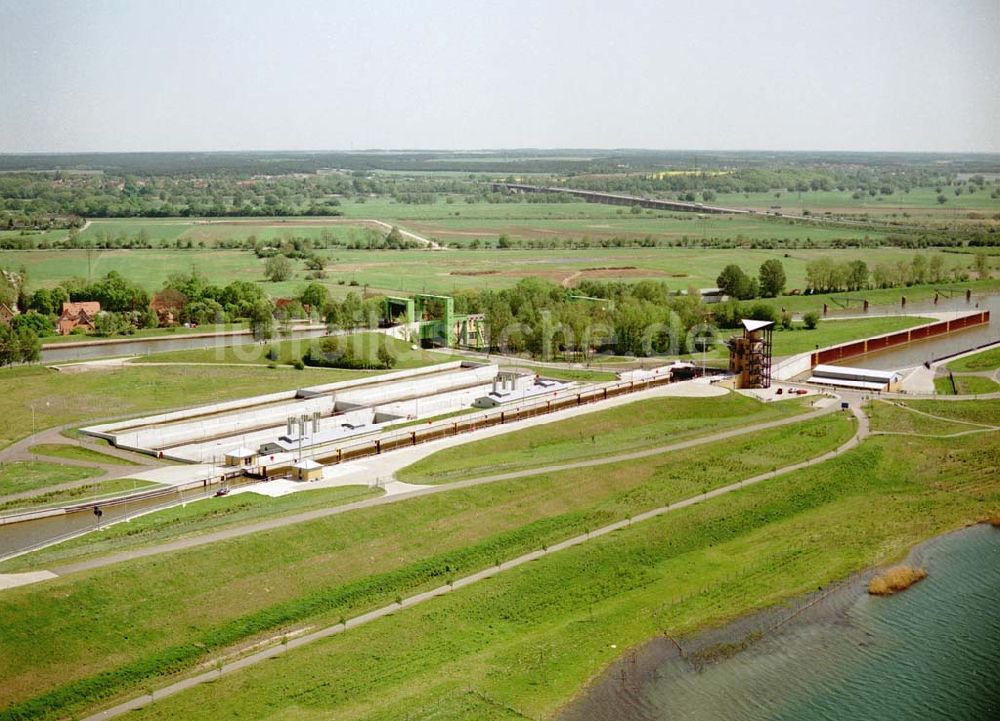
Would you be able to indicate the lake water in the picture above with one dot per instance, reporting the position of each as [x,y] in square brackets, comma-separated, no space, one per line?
[931,652]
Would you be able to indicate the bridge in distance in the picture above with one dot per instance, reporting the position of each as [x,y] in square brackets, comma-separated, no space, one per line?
[615,199]
[678,205]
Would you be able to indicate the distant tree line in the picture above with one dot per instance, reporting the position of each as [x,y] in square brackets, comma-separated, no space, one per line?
[829,275]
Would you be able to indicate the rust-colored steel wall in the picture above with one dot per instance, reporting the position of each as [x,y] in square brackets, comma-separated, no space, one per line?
[856,348]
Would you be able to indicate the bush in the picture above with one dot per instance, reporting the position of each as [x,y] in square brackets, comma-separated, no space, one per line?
[810,319]
[278,268]
[895,580]
[762,311]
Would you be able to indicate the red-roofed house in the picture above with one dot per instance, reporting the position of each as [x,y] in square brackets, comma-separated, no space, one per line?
[6,314]
[78,315]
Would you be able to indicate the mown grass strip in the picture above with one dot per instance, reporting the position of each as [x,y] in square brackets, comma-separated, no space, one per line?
[79,453]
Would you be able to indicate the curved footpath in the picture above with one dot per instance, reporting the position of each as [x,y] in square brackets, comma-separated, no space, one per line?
[20,451]
[271,652]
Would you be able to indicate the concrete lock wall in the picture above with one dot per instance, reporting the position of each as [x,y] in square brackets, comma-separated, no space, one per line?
[792,367]
[235,417]
[331,429]
[420,386]
[230,424]
[120,427]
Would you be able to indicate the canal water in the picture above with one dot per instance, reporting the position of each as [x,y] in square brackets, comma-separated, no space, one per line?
[17,537]
[929,653]
[69,352]
[914,354]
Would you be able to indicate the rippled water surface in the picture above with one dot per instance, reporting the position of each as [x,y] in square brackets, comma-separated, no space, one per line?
[931,652]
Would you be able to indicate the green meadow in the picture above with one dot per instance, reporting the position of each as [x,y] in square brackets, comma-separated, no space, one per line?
[986,360]
[965,385]
[22,476]
[453,270]
[630,427]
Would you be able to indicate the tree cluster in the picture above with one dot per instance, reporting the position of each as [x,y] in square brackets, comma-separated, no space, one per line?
[18,345]
[770,281]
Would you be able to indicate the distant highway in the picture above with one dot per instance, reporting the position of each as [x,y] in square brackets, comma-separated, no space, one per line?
[615,199]
[678,205]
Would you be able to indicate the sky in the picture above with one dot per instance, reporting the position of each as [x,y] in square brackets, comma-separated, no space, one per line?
[171,75]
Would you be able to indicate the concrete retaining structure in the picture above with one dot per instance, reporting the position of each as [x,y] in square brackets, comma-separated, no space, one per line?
[107,430]
[345,409]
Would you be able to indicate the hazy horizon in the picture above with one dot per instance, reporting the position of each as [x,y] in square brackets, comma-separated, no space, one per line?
[113,76]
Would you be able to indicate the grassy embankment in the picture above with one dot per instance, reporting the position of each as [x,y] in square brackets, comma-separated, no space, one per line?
[192,519]
[146,333]
[983,412]
[171,611]
[22,476]
[885,417]
[64,398]
[630,427]
[79,494]
[965,385]
[987,360]
[78,453]
[364,345]
[523,643]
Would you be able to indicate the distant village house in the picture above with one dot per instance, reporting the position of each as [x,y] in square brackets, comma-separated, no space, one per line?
[78,315]
[6,314]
